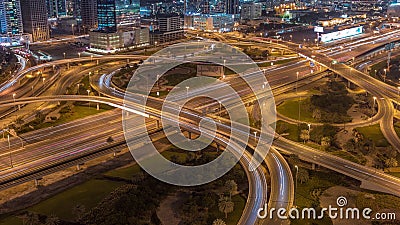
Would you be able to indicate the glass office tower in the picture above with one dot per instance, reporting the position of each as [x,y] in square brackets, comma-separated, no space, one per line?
[118,14]
[10,17]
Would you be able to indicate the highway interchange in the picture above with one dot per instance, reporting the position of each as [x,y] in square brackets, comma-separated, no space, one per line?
[277,166]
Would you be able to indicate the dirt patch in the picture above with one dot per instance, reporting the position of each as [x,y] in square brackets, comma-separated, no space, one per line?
[167,212]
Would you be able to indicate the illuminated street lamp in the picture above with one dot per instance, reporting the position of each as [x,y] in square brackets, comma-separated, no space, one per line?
[9,149]
[309,128]
[88,92]
[384,77]
[44,78]
[297,171]
[187,91]
[79,54]
[64,55]
[374,103]
[255,135]
[297,79]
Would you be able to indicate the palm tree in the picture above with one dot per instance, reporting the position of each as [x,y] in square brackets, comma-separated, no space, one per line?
[325,141]
[52,220]
[391,162]
[218,222]
[231,186]
[316,114]
[32,219]
[24,217]
[303,175]
[305,135]
[225,205]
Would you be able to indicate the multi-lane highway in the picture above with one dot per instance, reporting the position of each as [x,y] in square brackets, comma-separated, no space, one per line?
[371,178]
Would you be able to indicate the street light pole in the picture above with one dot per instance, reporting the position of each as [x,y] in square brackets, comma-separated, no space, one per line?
[14,98]
[187,91]
[88,92]
[384,77]
[297,172]
[9,149]
[373,107]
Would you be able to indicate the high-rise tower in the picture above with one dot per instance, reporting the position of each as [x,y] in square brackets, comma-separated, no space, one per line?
[34,17]
[10,17]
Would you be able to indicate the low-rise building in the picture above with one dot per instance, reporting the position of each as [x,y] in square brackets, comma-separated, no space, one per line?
[251,11]
[122,40]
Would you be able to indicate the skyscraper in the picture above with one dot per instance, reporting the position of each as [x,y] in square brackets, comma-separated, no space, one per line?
[10,17]
[113,14]
[106,15]
[232,6]
[56,8]
[88,14]
[205,7]
[34,17]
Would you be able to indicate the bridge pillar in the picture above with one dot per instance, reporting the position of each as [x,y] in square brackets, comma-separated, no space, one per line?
[189,135]
[78,166]
[37,183]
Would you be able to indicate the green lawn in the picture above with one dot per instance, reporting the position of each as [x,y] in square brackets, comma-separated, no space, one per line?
[348,156]
[290,108]
[396,174]
[77,112]
[124,172]
[88,194]
[128,171]
[11,220]
[317,181]
[292,130]
[374,133]
[234,216]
